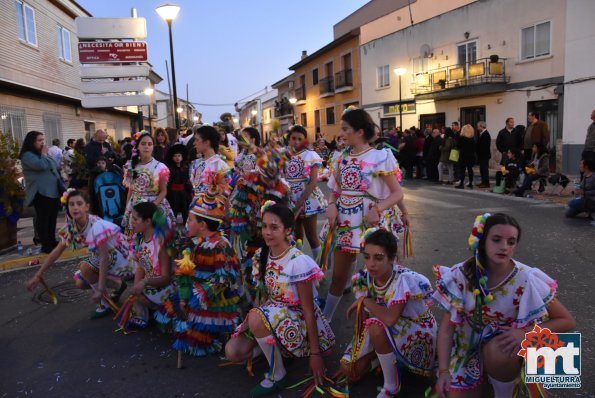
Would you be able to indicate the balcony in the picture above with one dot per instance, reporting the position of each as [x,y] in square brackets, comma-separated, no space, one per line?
[300,95]
[327,87]
[458,81]
[283,109]
[344,81]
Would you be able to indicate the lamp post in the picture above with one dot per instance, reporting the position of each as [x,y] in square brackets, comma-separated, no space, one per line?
[149,92]
[169,12]
[400,72]
[292,101]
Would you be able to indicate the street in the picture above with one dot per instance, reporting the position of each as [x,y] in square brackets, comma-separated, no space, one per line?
[56,351]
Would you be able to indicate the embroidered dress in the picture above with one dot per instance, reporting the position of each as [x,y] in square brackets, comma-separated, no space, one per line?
[297,174]
[203,173]
[97,233]
[357,183]
[520,300]
[145,188]
[210,291]
[146,255]
[245,163]
[282,313]
[413,337]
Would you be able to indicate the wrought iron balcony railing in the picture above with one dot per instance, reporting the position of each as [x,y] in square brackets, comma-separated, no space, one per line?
[300,93]
[327,85]
[343,79]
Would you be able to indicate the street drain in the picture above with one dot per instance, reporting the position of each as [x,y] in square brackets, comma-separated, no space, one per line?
[66,292]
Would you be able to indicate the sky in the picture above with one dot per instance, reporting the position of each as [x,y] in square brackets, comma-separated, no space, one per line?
[226,50]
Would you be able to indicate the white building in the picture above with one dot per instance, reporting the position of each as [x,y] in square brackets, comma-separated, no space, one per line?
[468,61]
[188,114]
[258,111]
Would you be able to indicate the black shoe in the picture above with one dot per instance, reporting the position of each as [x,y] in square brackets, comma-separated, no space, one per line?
[470,186]
[460,186]
[541,189]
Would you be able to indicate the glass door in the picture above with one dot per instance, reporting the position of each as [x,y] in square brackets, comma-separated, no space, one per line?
[467,55]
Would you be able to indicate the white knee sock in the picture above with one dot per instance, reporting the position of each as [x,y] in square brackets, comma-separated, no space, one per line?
[278,369]
[332,302]
[389,371]
[315,252]
[502,389]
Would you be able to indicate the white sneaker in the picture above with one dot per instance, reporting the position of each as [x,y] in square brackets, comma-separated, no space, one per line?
[384,393]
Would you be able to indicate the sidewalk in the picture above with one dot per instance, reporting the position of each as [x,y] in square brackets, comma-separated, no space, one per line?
[12,260]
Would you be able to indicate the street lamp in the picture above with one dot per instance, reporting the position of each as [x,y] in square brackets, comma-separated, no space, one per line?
[169,12]
[400,72]
[148,92]
[292,101]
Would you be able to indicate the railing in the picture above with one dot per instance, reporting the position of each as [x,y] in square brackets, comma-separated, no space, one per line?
[300,93]
[483,71]
[343,78]
[283,108]
[326,85]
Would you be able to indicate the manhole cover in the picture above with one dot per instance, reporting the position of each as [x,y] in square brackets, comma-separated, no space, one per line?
[66,292]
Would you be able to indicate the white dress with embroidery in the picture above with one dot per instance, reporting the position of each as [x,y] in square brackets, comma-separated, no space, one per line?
[357,180]
[245,163]
[297,174]
[282,313]
[519,300]
[145,188]
[203,172]
[413,336]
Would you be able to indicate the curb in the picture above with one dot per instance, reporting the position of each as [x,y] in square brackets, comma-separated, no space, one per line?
[23,262]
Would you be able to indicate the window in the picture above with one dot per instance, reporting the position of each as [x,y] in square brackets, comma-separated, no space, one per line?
[64,48]
[26,23]
[315,77]
[304,119]
[52,126]
[383,76]
[12,121]
[535,41]
[330,115]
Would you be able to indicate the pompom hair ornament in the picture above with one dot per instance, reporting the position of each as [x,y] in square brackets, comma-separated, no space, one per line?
[367,234]
[480,271]
[266,206]
[349,109]
[65,195]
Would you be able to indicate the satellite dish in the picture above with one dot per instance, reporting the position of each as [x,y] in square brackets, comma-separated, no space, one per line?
[425,51]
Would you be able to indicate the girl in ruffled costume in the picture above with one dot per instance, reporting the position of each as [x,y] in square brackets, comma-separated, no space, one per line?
[148,253]
[209,167]
[205,307]
[249,143]
[364,191]
[395,323]
[491,301]
[286,321]
[301,172]
[146,180]
[108,263]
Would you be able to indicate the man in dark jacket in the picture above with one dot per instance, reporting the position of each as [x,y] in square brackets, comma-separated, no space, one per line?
[96,148]
[484,154]
[434,155]
[537,132]
[507,139]
[407,153]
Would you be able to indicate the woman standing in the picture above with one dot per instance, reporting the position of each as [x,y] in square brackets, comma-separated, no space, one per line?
[249,142]
[209,168]
[466,155]
[161,145]
[146,180]
[43,187]
[448,143]
[364,191]
[225,150]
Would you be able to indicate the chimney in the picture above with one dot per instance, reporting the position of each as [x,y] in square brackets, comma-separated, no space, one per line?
[304,54]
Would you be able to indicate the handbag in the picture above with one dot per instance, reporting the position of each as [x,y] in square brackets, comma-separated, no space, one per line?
[454,155]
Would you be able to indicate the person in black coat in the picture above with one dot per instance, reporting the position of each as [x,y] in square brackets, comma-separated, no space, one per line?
[407,153]
[484,154]
[507,139]
[433,157]
[97,147]
[179,188]
[466,155]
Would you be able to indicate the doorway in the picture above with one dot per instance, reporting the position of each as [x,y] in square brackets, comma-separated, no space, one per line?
[432,121]
[547,111]
[472,115]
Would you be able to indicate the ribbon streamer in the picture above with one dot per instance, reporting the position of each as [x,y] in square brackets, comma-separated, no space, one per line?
[407,244]
[49,292]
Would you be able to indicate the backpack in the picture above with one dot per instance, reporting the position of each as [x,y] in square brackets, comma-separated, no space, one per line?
[110,196]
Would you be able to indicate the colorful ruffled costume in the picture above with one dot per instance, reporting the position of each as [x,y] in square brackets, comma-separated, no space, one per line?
[520,300]
[413,337]
[282,313]
[203,173]
[297,173]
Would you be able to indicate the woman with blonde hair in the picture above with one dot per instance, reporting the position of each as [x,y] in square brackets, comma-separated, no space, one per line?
[466,155]
[162,146]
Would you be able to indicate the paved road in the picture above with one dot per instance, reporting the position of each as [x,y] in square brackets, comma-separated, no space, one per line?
[55,351]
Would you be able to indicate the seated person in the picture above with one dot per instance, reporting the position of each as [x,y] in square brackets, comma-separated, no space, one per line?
[586,202]
[511,169]
[538,169]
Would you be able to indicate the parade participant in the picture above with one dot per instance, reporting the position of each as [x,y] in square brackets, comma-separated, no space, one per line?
[108,263]
[249,143]
[491,301]
[364,191]
[243,212]
[287,321]
[179,188]
[393,317]
[301,172]
[226,152]
[146,180]
[148,253]
[205,306]
[209,165]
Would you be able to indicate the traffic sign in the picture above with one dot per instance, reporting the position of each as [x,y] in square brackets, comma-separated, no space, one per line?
[107,52]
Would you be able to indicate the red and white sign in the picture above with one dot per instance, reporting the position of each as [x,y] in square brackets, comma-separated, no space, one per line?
[114,51]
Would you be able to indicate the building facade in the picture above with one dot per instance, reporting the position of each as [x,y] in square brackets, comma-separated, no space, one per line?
[283,107]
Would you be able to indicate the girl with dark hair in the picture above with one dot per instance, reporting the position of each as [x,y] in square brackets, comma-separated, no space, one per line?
[179,188]
[287,321]
[108,265]
[146,180]
[249,143]
[148,254]
[392,308]
[209,167]
[43,187]
[537,170]
[491,301]
[161,147]
[364,190]
[301,172]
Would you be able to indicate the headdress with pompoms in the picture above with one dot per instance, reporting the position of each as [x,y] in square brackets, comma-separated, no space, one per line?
[210,204]
[271,161]
[480,271]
